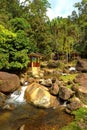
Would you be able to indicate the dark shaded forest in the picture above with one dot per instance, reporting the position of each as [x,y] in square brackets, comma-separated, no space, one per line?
[25,28]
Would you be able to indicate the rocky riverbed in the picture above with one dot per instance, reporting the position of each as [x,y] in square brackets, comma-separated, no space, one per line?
[41,103]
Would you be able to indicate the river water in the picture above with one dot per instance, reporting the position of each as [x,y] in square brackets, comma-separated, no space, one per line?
[32,118]
[27,117]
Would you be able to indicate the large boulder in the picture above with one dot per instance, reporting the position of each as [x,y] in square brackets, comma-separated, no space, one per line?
[2,99]
[80,87]
[8,82]
[81,65]
[54,90]
[65,93]
[39,96]
[53,64]
[48,71]
[74,104]
[46,82]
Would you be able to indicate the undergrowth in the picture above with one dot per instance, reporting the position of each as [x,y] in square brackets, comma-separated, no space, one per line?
[80,122]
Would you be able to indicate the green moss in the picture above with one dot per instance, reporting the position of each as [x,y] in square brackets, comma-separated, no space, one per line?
[80,114]
[72,126]
[68,77]
[81,117]
[69,86]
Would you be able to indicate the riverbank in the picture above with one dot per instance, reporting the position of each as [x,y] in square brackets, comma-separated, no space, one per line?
[19,114]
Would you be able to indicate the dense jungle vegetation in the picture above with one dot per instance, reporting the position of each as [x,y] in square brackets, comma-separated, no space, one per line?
[25,28]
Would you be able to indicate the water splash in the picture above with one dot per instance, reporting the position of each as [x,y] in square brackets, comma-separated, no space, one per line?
[72,69]
[17,97]
[65,104]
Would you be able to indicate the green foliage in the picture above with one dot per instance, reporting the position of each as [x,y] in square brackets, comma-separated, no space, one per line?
[80,117]
[19,24]
[13,50]
[47,52]
[80,114]
[39,33]
[64,36]
[72,126]
[19,60]
[69,77]
[4,58]
[82,23]
[34,32]
[23,42]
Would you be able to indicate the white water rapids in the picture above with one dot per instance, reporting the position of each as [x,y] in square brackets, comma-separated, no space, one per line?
[17,97]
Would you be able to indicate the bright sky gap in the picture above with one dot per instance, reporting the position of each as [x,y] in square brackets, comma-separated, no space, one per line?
[60,8]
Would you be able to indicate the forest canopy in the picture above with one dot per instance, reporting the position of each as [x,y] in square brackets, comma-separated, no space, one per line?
[25,28]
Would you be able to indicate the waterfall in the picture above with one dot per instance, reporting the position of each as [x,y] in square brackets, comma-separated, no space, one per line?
[17,97]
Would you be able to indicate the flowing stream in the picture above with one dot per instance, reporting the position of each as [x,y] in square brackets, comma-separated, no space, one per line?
[27,117]
[17,97]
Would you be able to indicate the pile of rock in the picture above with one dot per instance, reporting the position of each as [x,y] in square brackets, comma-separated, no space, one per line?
[49,92]
[46,93]
[8,84]
[81,65]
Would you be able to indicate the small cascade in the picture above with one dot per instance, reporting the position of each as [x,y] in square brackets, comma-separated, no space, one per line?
[17,97]
[65,103]
[72,69]
[62,102]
